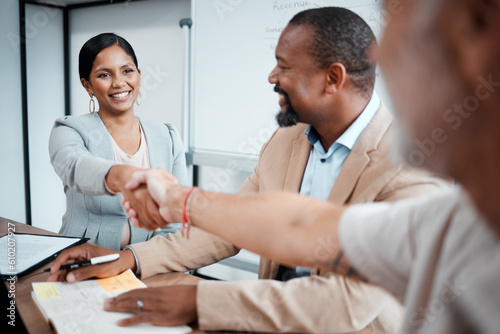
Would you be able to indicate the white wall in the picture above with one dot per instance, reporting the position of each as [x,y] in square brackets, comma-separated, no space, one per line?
[152,28]
[45,77]
[12,202]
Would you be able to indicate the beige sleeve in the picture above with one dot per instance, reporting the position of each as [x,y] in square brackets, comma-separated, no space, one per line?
[177,253]
[315,304]
[252,183]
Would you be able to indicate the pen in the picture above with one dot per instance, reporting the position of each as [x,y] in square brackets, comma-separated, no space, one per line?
[94,260]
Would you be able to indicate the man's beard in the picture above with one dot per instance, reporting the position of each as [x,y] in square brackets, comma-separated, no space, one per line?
[287,117]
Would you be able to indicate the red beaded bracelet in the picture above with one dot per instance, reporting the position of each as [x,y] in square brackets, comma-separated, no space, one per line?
[185,217]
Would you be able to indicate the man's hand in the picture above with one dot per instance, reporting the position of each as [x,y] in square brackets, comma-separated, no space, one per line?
[86,252]
[159,184]
[166,306]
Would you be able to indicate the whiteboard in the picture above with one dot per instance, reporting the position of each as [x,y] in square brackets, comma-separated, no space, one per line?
[233,42]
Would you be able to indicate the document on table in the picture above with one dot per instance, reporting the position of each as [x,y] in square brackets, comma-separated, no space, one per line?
[78,307]
[21,253]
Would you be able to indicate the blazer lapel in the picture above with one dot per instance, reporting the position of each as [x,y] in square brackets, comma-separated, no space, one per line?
[297,163]
[104,148]
[155,149]
[359,158]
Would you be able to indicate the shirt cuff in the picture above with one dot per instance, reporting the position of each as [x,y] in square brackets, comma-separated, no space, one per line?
[138,266]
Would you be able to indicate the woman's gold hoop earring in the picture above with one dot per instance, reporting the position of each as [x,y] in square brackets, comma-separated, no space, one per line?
[92,105]
[138,101]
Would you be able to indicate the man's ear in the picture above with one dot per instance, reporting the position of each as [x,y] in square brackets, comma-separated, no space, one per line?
[336,78]
[88,87]
[475,31]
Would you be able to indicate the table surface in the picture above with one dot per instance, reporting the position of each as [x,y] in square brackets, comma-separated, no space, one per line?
[29,311]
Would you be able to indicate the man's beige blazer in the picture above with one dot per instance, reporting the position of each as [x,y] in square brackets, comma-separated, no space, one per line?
[324,302]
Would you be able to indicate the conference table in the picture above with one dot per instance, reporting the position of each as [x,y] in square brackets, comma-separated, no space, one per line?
[32,317]
[30,314]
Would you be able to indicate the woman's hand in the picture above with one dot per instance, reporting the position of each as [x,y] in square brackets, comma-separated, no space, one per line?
[165,306]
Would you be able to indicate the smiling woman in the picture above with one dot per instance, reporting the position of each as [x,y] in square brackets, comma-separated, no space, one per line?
[95,154]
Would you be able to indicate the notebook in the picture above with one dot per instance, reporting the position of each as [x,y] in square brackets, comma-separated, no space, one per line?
[78,307]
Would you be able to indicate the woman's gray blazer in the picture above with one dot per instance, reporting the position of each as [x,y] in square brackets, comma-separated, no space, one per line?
[81,153]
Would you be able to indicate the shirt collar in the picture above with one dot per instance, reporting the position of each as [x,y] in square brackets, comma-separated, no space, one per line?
[351,135]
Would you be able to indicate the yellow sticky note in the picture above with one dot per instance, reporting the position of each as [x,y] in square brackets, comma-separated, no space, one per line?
[124,281]
[46,290]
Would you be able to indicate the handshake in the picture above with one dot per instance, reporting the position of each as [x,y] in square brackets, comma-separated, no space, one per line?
[153,199]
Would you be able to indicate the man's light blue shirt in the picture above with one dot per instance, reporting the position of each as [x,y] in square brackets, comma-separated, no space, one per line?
[323,168]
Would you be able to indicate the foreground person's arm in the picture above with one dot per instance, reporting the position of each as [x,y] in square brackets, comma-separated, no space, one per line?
[289,228]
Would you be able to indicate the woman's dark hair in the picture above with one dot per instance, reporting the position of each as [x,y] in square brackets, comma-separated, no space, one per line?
[341,36]
[96,44]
